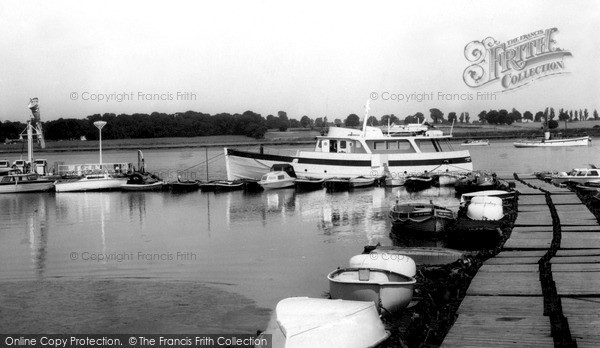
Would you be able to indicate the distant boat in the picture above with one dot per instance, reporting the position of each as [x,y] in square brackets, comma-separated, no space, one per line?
[91,182]
[5,167]
[425,217]
[475,142]
[17,183]
[580,141]
[320,323]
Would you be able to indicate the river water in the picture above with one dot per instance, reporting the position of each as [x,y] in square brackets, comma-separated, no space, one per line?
[260,247]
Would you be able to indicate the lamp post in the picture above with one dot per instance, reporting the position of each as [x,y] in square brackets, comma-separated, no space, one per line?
[99,125]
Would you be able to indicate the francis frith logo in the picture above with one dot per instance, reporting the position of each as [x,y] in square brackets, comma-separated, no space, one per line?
[516,62]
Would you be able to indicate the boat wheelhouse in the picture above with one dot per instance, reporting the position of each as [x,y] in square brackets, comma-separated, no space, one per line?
[348,153]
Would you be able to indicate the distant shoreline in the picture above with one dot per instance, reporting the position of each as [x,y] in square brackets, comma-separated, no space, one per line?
[274,138]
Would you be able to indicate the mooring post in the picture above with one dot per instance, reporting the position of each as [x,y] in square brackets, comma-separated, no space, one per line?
[206,155]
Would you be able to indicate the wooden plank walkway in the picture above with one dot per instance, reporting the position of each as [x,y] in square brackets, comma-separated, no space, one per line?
[504,303]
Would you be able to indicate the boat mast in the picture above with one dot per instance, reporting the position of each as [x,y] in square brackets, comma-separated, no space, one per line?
[364,130]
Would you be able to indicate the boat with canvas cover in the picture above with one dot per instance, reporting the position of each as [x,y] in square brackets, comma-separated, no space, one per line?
[322,323]
[485,208]
[391,291]
[466,197]
[348,153]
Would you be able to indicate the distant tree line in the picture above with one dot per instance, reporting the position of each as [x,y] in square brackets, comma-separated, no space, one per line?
[251,124]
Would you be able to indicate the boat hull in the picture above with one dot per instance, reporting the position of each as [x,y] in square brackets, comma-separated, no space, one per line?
[391,291]
[421,217]
[27,187]
[156,186]
[582,141]
[302,184]
[250,165]
[316,322]
[81,185]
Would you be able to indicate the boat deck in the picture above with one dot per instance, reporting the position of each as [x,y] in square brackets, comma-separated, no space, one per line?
[543,288]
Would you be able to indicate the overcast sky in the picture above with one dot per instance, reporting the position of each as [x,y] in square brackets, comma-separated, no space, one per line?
[310,58]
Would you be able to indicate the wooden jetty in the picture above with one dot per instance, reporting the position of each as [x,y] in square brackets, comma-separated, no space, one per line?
[543,288]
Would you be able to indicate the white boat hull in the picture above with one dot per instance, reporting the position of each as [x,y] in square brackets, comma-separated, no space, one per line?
[276,184]
[321,323]
[249,165]
[582,141]
[28,187]
[391,291]
[85,184]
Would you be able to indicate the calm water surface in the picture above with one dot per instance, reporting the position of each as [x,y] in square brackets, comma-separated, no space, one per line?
[264,246]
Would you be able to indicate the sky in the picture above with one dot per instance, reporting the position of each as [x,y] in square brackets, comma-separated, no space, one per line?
[314,58]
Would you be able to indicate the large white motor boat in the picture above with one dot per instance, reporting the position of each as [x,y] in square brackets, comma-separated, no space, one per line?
[92,182]
[348,153]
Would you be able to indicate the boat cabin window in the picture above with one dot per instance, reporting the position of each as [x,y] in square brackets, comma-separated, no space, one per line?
[581,174]
[391,146]
[593,173]
[342,146]
[428,145]
[280,177]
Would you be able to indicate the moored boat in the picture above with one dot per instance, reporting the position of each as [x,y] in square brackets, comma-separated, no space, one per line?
[308,183]
[417,182]
[17,183]
[280,176]
[347,153]
[475,181]
[425,217]
[5,167]
[154,186]
[92,182]
[361,181]
[577,175]
[180,186]
[465,198]
[391,291]
[420,255]
[389,261]
[322,323]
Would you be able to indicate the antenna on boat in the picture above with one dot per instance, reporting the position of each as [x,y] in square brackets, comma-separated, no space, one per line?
[366,118]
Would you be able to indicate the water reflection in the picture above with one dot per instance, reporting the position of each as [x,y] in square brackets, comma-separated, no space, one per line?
[32,209]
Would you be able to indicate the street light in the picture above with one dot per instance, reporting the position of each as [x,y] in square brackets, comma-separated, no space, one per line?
[99,125]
